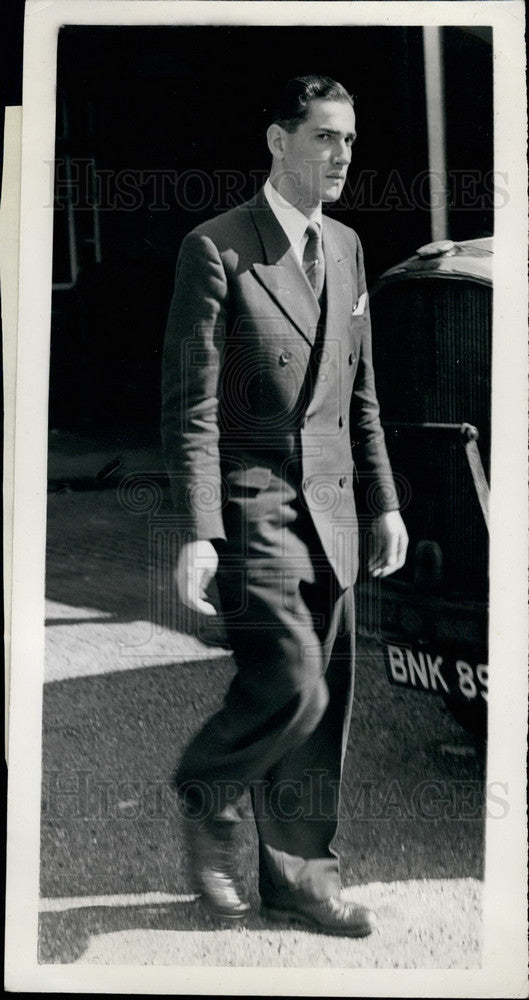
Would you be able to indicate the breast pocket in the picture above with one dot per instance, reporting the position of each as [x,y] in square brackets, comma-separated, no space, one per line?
[360,305]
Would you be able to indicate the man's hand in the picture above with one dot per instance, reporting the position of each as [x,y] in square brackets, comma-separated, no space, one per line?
[196,567]
[390,543]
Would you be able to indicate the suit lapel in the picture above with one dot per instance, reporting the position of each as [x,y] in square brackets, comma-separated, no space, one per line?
[339,281]
[340,292]
[284,280]
[281,274]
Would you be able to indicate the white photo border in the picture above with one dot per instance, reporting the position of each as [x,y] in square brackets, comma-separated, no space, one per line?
[503,972]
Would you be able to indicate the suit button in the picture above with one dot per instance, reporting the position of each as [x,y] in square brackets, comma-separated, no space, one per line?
[352,359]
[285,357]
[341,420]
[343,481]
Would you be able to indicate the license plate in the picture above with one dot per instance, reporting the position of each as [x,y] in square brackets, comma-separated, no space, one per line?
[425,669]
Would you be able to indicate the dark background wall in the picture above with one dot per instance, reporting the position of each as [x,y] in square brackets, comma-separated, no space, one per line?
[136,103]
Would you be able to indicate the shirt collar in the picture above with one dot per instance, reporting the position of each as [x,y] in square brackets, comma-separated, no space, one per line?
[289,217]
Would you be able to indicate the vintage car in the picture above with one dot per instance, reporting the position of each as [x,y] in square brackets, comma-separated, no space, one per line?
[432,318]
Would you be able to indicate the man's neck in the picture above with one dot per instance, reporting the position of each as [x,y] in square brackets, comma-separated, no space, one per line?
[280,184]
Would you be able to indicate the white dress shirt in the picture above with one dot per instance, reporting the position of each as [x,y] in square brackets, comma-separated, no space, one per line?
[291,219]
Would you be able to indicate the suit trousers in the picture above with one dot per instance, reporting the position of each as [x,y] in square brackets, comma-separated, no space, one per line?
[283,729]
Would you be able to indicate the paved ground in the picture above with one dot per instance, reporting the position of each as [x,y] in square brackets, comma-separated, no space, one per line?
[130,676]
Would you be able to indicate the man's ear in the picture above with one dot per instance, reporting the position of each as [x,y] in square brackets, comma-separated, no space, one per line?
[275,136]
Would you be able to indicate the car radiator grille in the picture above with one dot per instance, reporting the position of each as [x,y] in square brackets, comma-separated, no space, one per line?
[432,356]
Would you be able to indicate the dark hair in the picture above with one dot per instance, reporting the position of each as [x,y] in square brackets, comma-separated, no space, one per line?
[291,103]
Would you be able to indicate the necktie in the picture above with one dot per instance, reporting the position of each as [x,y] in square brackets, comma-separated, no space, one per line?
[313,262]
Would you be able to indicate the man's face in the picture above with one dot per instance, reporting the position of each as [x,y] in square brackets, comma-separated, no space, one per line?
[317,154]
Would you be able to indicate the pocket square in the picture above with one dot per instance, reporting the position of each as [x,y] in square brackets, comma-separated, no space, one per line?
[360,305]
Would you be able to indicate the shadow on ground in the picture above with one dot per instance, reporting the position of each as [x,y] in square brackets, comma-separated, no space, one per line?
[65,937]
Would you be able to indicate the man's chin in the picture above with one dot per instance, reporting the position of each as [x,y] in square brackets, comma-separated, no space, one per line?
[332,194]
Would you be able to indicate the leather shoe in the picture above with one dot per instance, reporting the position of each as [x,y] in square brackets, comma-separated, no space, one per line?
[210,848]
[329,916]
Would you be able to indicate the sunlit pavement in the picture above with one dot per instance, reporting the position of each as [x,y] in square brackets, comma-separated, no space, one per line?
[128,678]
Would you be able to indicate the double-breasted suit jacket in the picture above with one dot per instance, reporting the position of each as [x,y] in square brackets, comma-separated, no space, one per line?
[264,390]
[264,393]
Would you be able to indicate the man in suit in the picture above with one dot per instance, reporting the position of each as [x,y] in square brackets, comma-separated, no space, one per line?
[267,384]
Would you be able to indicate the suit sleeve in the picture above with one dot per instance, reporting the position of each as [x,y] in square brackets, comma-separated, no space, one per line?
[190,375]
[370,453]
